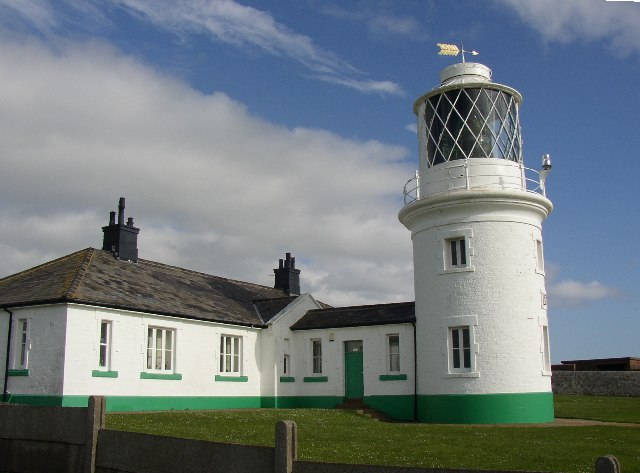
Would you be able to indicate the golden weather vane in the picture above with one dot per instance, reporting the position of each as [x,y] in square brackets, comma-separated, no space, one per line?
[453,50]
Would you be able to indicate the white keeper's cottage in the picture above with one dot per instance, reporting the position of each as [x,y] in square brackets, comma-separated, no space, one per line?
[473,348]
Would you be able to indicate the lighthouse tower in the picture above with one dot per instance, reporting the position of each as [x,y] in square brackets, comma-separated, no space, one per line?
[475,214]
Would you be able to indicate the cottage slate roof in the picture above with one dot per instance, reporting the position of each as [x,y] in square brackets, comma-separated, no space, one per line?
[96,277]
[269,308]
[357,316]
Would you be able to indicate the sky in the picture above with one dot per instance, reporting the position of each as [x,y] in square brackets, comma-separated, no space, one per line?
[241,130]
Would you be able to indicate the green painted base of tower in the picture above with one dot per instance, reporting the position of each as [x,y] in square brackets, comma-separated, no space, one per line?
[512,408]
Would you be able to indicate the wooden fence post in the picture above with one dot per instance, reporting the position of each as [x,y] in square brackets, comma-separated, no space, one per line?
[607,464]
[286,447]
[95,422]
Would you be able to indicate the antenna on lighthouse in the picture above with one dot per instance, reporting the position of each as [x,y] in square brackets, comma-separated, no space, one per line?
[453,50]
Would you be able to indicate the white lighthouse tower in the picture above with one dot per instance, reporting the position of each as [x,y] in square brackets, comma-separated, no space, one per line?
[475,214]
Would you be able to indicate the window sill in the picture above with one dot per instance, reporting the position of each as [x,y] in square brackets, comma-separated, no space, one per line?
[18,373]
[104,374]
[315,379]
[232,379]
[463,374]
[457,270]
[172,376]
[287,379]
[393,377]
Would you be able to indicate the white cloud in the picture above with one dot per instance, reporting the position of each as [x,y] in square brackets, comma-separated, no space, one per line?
[37,12]
[212,187]
[583,20]
[379,24]
[569,293]
[242,26]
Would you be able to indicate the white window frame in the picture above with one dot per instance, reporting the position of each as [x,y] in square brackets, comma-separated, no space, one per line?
[23,344]
[393,353]
[459,239]
[545,349]
[459,322]
[286,364]
[457,346]
[316,357]
[230,363]
[163,354]
[105,345]
[539,255]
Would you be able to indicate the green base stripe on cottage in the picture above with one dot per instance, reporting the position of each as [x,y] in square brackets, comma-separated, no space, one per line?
[486,408]
[172,376]
[18,373]
[232,379]
[167,403]
[319,402]
[104,374]
[279,402]
[400,407]
[35,400]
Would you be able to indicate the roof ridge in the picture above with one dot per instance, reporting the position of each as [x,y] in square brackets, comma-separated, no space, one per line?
[191,271]
[80,272]
[365,306]
[43,265]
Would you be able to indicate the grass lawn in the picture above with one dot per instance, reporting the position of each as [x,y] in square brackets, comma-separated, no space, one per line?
[609,409]
[339,436]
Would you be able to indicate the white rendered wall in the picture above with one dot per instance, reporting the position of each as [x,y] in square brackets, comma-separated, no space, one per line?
[45,356]
[374,340]
[196,356]
[500,295]
[277,340]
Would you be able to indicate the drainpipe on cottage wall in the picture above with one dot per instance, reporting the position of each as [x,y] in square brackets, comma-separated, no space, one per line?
[6,366]
[415,374]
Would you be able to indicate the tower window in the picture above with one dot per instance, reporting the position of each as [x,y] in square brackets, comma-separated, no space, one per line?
[539,257]
[458,249]
[460,348]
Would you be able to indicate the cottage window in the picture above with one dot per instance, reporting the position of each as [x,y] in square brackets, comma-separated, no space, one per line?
[316,356]
[23,344]
[230,350]
[160,349]
[393,349]
[104,355]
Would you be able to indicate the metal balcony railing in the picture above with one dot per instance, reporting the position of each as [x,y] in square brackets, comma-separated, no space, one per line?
[470,176]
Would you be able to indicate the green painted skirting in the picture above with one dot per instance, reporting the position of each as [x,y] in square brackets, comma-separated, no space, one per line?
[18,373]
[232,379]
[399,407]
[315,379]
[319,402]
[168,403]
[279,402]
[287,379]
[512,408]
[393,377]
[104,374]
[35,400]
[173,376]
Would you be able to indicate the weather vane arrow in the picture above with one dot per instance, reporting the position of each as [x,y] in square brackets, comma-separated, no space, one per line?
[453,50]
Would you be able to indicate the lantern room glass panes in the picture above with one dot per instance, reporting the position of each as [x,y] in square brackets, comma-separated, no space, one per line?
[472,123]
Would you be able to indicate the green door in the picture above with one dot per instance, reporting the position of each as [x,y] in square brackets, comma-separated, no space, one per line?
[353,370]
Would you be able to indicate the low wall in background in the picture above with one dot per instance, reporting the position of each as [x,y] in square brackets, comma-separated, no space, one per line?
[596,383]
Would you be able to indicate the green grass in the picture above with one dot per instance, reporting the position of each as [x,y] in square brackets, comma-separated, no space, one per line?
[609,409]
[344,437]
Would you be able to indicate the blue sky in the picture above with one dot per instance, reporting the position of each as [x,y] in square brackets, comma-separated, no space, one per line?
[241,130]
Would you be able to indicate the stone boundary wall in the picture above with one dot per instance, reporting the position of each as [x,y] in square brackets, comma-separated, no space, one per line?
[596,383]
[73,440]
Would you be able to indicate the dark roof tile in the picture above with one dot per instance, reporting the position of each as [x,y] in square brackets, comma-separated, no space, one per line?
[357,316]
